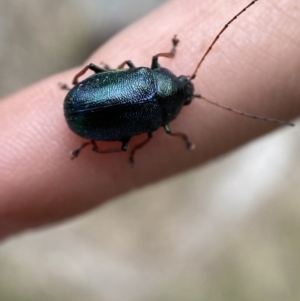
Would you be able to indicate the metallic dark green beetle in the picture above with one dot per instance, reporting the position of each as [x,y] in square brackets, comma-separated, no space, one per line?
[117,104]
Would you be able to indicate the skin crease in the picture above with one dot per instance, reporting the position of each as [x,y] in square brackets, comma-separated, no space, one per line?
[254,67]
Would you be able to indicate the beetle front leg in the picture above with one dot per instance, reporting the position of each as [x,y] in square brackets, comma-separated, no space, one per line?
[170,54]
[92,67]
[139,146]
[183,136]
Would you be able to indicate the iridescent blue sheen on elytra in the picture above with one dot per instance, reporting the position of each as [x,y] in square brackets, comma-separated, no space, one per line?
[118,104]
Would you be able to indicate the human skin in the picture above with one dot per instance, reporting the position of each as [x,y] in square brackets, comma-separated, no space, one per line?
[254,67]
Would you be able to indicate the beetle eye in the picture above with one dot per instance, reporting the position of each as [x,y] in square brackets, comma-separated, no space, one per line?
[188,100]
[188,88]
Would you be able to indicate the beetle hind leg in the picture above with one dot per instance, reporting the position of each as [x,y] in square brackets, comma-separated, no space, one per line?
[96,149]
[125,144]
[184,137]
[74,153]
[138,146]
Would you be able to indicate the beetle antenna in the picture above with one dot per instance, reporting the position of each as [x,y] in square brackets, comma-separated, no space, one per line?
[217,37]
[245,114]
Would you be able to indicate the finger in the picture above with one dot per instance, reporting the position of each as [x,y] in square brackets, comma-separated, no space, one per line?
[250,69]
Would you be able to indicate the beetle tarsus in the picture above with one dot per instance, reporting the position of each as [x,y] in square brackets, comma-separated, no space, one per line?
[74,153]
[138,146]
[175,42]
[184,137]
[64,86]
[131,161]
[191,146]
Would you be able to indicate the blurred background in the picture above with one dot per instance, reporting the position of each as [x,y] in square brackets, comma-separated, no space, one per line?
[227,231]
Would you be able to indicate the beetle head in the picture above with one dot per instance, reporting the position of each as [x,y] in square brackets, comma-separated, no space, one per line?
[188,89]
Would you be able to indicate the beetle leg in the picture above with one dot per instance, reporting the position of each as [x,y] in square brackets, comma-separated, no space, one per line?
[128,63]
[183,136]
[92,67]
[106,66]
[75,152]
[125,144]
[170,54]
[138,146]
[64,87]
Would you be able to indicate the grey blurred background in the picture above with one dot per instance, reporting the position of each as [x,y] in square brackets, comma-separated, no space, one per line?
[229,230]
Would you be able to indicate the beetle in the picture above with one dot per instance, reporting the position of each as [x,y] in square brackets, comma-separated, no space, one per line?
[117,104]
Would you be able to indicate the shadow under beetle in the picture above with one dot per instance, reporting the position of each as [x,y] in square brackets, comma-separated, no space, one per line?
[117,104]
